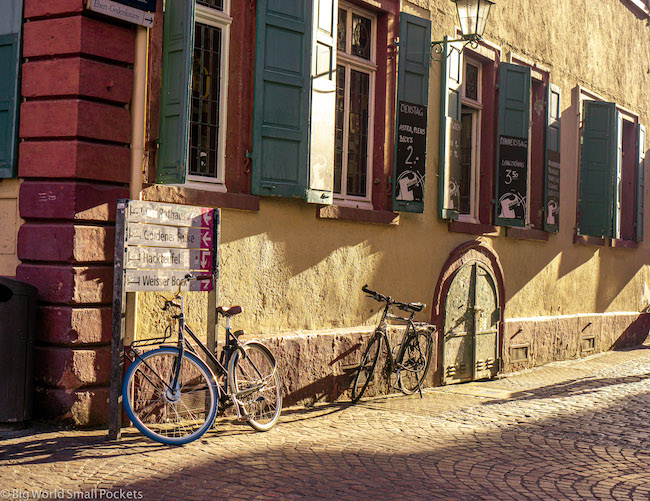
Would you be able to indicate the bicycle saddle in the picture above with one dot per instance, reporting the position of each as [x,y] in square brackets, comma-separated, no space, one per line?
[229,312]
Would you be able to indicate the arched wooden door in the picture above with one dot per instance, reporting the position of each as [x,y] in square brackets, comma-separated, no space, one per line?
[471,326]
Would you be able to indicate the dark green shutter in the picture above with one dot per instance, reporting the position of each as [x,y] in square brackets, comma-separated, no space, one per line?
[597,170]
[552,164]
[514,119]
[282,88]
[640,184]
[10,64]
[412,87]
[11,23]
[176,91]
[450,127]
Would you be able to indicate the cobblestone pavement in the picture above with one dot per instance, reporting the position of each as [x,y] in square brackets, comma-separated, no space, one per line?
[569,430]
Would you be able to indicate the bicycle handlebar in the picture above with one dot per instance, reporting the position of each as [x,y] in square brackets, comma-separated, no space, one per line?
[388,300]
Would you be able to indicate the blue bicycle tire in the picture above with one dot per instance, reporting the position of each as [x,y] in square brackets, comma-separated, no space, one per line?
[164,407]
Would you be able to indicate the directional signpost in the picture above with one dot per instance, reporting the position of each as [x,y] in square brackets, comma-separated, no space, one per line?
[156,246]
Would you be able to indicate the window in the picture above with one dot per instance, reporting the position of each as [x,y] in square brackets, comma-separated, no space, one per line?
[207,116]
[611,171]
[315,117]
[519,128]
[355,82]
[467,136]
[192,129]
[465,188]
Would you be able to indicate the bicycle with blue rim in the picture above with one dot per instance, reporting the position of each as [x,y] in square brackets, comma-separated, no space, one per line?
[173,396]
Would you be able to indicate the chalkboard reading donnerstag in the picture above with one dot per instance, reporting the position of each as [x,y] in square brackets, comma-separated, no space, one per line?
[513,178]
[411,152]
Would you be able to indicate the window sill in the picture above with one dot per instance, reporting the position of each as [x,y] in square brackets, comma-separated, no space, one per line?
[474,228]
[587,240]
[357,215]
[624,244]
[527,234]
[193,196]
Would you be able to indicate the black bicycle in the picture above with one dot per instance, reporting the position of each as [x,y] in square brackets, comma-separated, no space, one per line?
[413,360]
[172,396]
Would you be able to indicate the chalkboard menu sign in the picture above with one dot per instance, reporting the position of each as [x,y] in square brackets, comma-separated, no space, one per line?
[512,180]
[411,152]
[552,221]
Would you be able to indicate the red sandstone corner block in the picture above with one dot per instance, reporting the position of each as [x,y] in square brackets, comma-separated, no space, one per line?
[77,77]
[75,118]
[66,242]
[72,200]
[66,325]
[78,35]
[88,407]
[74,159]
[39,8]
[72,369]
[65,284]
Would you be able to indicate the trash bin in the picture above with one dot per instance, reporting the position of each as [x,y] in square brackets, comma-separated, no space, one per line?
[18,303]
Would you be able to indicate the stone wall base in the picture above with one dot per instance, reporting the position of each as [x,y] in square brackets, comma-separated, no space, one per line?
[530,342]
[319,366]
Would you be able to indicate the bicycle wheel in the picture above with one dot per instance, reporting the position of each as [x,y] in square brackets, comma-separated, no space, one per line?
[256,385]
[414,360]
[162,413]
[367,366]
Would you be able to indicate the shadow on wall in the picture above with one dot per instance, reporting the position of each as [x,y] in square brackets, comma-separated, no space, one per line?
[635,334]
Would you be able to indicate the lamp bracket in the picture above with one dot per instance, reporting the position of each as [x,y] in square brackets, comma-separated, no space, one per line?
[438,48]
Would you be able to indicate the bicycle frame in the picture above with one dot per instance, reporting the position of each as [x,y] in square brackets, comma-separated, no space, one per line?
[214,364]
[387,314]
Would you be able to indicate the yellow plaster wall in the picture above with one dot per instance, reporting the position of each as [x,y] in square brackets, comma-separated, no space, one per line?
[292,271]
[9,224]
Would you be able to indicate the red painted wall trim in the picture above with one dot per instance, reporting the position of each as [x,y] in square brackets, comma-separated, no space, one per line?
[77,77]
[75,159]
[78,35]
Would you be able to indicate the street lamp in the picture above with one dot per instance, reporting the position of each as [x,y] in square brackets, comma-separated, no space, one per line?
[472,15]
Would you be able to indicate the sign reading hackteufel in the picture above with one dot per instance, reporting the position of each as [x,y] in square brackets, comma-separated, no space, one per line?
[164,242]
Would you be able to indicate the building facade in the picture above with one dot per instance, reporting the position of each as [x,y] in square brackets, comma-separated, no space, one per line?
[503,184]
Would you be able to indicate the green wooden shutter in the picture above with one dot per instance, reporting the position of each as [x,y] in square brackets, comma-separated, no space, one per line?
[323,103]
[176,91]
[450,128]
[552,174]
[413,89]
[640,185]
[282,91]
[597,169]
[10,63]
[512,145]
[11,24]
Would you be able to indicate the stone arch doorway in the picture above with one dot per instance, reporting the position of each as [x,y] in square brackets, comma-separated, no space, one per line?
[468,312]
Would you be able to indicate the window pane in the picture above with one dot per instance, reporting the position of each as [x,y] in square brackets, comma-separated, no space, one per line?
[342,30]
[466,153]
[358,133]
[338,129]
[471,82]
[215,4]
[361,36]
[206,72]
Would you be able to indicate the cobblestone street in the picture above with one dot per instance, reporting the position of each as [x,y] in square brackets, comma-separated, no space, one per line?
[569,430]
